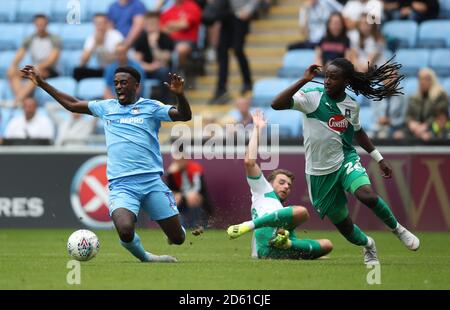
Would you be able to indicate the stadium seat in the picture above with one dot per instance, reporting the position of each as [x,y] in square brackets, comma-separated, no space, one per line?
[28,8]
[91,88]
[68,60]
[148,84]
[6,58]
[98,6]
[73,36]
[290,122]
[60,10]
[5,117]
[410,86]
[413,60]
[434,34]
[5,90]
[12,36]
[296,62]
[151,4]
[444,10]
[446,85]
[8,10]
[366,118]
[405,31]
[440,61]
[65,84]
[266,89]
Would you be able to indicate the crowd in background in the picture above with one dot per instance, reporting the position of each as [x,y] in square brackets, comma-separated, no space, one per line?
[174,36]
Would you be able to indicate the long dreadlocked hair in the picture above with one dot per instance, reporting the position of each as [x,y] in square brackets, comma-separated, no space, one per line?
[377,83]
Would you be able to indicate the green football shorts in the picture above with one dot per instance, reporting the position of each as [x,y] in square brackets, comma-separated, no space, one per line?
[327,192]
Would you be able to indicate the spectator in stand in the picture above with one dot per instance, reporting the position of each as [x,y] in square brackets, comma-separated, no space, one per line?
[44,49]
[30,125]
[423,105]
[392,8]
[440,128]
[419,10]
[241,112]
[71,128]
[186,179]
[153,52]
[355,8]
[389,116]
[367,44]
[122,61]
[101,45]
[233,31]
[127,16]
[182,23]
[313,16]
[335,43]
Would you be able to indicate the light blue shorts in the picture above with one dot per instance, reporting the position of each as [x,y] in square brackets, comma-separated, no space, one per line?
[146,191]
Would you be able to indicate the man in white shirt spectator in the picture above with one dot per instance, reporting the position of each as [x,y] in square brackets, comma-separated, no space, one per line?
[30,125]
[355,8]
[101,45]
[72,128]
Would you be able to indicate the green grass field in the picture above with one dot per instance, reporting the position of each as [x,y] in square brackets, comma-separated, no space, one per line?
[36,259]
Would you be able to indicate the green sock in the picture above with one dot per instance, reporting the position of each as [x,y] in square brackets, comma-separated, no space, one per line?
[280,218]
[310,248]
[384,213]
[357,236]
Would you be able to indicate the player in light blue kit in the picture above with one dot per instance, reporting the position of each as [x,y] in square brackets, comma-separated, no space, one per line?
[134,165]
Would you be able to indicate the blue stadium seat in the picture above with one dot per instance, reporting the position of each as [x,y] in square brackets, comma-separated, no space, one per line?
[28,8]
[366,118]
[91,88]
[8,10]
[12,35]
[68,60]
[404,30]
[290,122]
[60,10]
[444,10]
[148,84]
[295,63]
[434,34]
[266,89]
[5,90]
[73,36]
[413,60]
[99,6]
[440,61]
[446,85]
[5,116]
[151,4]
[410,85]
[6,59]
[65,84]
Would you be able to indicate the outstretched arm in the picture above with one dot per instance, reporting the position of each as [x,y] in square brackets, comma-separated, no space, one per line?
[284,99]
[251,167]
[68,102]
[364,141]
[183,111]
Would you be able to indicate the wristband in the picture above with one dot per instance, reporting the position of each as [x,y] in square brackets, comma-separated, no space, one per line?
[376,155]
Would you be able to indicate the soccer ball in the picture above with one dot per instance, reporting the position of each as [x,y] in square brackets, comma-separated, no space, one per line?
[83,245]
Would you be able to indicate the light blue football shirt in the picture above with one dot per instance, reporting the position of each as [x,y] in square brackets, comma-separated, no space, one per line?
[131,133]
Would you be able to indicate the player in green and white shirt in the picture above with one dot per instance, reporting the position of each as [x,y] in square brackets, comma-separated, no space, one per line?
[331,120]
[274,224]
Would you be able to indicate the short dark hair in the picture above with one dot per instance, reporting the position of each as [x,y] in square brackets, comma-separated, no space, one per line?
[276,172]
[40,16]
[131,71]
[152,14]
[99,15]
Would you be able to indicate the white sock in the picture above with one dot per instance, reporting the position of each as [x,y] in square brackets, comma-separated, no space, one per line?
[369,242]
[250,224]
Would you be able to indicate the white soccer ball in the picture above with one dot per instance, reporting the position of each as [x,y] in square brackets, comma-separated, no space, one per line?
[83,245]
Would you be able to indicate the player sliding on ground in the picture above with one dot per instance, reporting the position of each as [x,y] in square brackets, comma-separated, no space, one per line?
[331,120]
[273,224]
[134,166]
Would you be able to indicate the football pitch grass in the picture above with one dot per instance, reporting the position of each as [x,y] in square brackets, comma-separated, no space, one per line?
[37,259]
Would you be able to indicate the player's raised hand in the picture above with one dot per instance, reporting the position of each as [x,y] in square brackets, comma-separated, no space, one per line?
[386,169]
[31,73]
[312,72]
[176,83]
[258,119]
